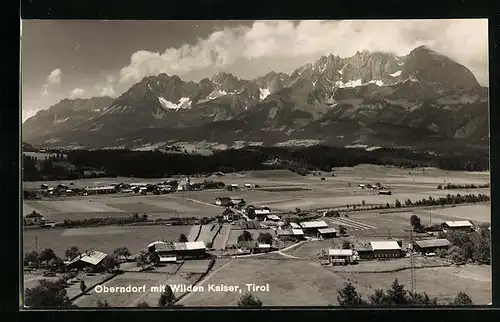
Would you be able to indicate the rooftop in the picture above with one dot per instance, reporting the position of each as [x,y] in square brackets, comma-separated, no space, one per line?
[433,243]
[313,224]
[459,223]
[92,257]
[294,225]
[327,230]
[385,245]
[190,245]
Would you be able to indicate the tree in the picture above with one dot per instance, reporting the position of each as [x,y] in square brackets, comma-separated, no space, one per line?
[245,236]
[348,296]
[456,255]
[346,244]
[83,287]
[397,294]
[363,202]
[47,294]
[397,204]
[31,258]
[46,255]
[72,252]
[110,263]
[248,300]
[55,263]
[142,259]
[342,230]
[143,304]
[102,304]
[121,252]
[379,298]
[415,223]
[182,238]
[251,213]
[167,298]
[462,299]
[265,238]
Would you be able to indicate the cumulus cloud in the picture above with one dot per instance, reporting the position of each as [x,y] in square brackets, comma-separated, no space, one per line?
[54,77]
[106,88]
[77,93]
[464,40]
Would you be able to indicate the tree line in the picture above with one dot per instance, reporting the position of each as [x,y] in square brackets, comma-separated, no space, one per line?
[463,186]
[395,295]
[156,164]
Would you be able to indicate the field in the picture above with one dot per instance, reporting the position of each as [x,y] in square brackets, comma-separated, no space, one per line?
[302,283]
[105,239]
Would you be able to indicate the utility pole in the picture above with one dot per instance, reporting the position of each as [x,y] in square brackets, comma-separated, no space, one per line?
[412,264]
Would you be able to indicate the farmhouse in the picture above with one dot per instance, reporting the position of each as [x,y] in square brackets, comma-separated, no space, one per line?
[340,256]
[431,245]
[99,190]
[179,250]
[462,225]
[223,201]
[261,214]
[90,258]
[386,249]
[290,234]
[325,233]
[364,251]
[312,227]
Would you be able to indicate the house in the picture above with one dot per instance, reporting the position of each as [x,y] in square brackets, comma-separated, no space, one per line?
[386,249]
[261,248]
[261,214]
[325,233]
[340,256]
[294,225]
[431,245]
[311,227]
[223,201]
[248,185]
[462,225]
[274,218]
[364,251]
[238,202]
[290,234]
[179,250]
[90,258]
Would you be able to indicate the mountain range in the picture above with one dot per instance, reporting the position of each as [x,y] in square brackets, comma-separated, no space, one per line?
[423,99]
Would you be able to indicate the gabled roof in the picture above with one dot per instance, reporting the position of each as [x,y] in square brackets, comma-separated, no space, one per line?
[294,225]
[296,232]
[92,257]
[385,245]
[169,259]
[433,243]
[340,252]
[262,211]
[459,223]
[314,224]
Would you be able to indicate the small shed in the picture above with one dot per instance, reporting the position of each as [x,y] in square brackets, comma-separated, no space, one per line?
[223,201]
[90,258]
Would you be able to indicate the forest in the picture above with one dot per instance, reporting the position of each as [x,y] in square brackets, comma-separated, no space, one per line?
[75,164]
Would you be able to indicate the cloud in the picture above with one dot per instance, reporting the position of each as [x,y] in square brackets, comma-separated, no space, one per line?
[77,93]
[54,77]
[464,40]
[106,88]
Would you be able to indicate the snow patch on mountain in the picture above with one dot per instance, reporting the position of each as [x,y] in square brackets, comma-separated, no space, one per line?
[60,121]
[396,74]
[352,83]
[184,103]
[377,82]
[264,92]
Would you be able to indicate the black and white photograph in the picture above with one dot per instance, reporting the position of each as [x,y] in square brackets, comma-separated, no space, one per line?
[255,164]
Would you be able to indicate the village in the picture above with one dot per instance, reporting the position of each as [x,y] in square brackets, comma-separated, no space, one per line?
[245,224]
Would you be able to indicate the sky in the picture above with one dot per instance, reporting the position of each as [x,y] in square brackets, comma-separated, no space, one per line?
[86,58]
